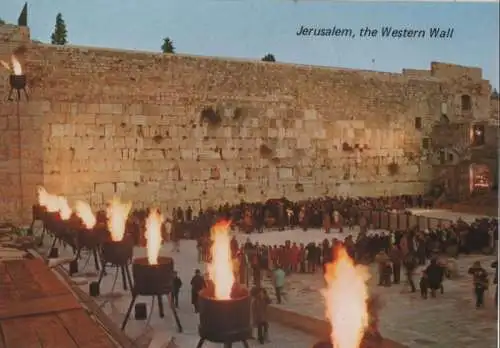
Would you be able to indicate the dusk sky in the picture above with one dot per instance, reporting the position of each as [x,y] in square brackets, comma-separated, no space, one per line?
[252,28]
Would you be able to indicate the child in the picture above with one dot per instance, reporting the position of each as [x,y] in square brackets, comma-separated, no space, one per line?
[424,285]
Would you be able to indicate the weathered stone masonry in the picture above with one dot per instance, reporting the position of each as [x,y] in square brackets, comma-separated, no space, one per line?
[105,122]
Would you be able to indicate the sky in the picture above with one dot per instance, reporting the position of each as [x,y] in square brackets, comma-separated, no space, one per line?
[253,28]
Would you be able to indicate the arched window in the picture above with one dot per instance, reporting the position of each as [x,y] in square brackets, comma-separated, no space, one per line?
[466,102]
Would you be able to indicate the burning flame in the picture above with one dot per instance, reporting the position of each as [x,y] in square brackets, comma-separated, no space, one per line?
[16,65]
[153,235]
[221,267]
[117,213]
[346,298]
[54,203]
[84,212]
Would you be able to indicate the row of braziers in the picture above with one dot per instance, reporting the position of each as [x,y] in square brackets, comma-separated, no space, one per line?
[147,280]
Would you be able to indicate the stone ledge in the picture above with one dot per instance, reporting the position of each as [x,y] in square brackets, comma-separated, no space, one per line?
[312,326]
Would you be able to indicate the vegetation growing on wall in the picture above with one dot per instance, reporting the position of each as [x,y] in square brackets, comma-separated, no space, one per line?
[209,115]
[265,151]
[299,187]
[269,58]
[393,168]
[167,46]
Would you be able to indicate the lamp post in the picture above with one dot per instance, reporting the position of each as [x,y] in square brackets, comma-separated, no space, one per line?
[17,82]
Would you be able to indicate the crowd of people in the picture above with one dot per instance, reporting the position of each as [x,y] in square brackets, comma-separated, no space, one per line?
[397,254]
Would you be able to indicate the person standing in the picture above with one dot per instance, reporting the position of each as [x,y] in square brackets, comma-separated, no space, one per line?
[435,276]
[279,282]
[480,281]
[197,284]
[259,310]
[494,265]
[396,257]
[176,288]
[382,261]
[410,264]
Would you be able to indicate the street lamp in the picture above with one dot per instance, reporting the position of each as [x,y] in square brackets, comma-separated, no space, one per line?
[17,81]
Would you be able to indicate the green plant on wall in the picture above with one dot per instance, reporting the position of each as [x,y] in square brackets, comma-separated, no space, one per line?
[60,34]
[167,46]
[269,58]
[2,22]
[393,168]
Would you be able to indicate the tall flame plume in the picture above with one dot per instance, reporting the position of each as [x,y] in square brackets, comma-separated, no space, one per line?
[346,299]
[84,212]
[54,203]
[117,214]
[16,65]
[153,235]
[221,268]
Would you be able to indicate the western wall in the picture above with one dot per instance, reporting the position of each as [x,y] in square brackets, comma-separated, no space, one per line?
[175,130]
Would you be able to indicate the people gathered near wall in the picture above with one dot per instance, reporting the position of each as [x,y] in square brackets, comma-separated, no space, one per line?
[398,254]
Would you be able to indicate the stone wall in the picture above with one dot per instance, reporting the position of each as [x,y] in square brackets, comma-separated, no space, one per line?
[107,122]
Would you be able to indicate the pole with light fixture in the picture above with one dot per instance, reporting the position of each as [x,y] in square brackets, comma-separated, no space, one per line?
[18,82]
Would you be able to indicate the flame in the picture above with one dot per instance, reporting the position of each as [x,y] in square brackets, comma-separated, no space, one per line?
[153,235]
[117,213]
[5,65]
[16,66]
[64,208]
[84,212]
[346,298]
[221,267]
[54,203]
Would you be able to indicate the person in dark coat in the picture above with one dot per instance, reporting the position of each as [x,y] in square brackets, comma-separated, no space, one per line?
[410,264]
[435,276]
[189,214]
[494,265]
[260,303]
[396,257]
[480,281]
[197,284]
[424,285]
[176,288]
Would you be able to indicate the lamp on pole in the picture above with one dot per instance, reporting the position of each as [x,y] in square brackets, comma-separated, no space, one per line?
[17,82]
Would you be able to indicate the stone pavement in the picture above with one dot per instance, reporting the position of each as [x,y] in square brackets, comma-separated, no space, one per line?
[450,320]
[447,321]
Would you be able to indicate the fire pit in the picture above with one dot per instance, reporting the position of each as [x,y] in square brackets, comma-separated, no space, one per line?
[150,280]
[153,280]
[224,306]
[350,310]
[154,275]
[53,210]
[225,321]
[90,233]
[117,251]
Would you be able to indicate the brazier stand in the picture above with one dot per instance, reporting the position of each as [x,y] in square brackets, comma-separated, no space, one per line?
[153,280]
[117,254]
[225,321]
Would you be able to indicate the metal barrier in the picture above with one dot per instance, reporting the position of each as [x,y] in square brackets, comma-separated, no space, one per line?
[401,221]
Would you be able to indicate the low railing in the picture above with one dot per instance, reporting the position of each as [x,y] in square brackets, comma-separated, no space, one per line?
[402,221]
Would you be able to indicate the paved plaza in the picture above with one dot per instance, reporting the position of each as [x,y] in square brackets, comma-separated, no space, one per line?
[450,320]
